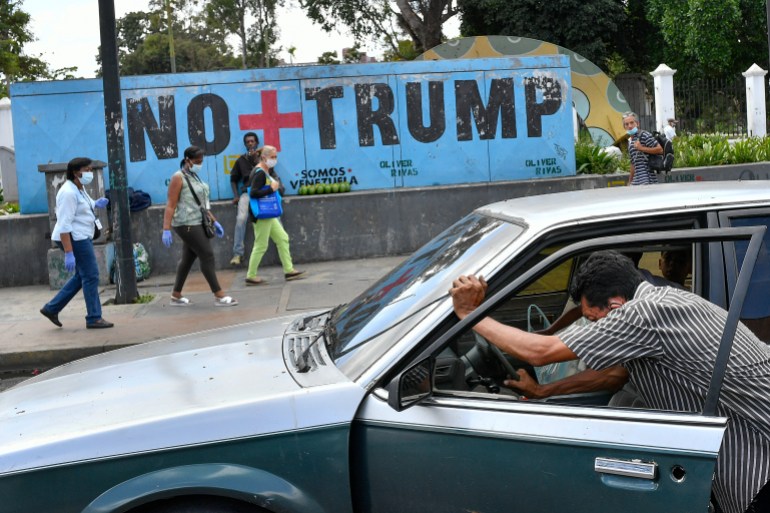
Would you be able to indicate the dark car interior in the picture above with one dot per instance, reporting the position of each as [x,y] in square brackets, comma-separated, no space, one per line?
[469,364]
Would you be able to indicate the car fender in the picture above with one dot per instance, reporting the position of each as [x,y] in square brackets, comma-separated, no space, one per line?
[234,481]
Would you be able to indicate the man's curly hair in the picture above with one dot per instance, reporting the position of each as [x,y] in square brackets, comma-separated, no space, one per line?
[604,275]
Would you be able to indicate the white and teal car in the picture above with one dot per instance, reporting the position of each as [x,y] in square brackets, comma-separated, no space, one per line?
[389,403]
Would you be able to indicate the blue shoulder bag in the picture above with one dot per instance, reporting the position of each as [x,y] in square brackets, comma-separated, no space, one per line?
[266,207]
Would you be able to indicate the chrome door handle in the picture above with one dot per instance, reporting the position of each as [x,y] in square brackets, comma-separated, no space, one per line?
[631,468]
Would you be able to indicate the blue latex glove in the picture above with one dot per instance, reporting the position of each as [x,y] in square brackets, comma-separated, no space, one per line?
[69,261]
[101,203]
[218,229]
[167,238]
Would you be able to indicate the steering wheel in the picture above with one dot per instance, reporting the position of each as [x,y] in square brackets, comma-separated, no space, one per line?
[491,348]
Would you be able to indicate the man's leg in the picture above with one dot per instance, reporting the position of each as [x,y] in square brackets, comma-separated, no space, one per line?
[241,219]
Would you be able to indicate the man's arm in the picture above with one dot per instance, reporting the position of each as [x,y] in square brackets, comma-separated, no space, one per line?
[589,380]
[235,178]
[468,292]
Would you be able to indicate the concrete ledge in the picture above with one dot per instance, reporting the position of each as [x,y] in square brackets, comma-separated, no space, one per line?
[329,227]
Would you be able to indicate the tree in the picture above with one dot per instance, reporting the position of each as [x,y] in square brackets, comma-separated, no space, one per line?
[328,58]
[144,43]
[256,41]
[422,20]
[716,39]
[14,65]
[590,28]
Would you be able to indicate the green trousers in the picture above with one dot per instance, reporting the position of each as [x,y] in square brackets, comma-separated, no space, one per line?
[265,229]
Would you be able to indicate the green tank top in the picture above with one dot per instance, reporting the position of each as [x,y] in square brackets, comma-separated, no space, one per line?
[187,212]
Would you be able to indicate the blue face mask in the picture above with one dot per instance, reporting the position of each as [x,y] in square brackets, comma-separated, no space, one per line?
[86,178]
[633,131]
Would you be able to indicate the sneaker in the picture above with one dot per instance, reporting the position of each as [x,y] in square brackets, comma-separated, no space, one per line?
[236,260]
[293,275]
[54,318]
[99,324]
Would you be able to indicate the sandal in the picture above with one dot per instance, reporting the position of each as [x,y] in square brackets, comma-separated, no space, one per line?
[294,275]
[180,301]
[225,301]
[255,281]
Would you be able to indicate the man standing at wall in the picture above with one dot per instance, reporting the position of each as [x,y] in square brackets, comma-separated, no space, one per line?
[641,144]
[670,129]
[239,180]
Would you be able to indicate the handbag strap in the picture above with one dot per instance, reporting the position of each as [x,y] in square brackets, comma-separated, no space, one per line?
[195,196]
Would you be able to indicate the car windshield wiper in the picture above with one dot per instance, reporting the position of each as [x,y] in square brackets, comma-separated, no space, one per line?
[329,332]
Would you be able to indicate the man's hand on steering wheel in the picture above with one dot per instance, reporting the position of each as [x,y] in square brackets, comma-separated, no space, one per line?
[525,385]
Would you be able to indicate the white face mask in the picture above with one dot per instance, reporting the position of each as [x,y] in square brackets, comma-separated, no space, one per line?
[271,162]
[86,178]
[196,167]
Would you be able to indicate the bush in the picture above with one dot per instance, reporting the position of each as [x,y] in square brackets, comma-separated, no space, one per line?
[689,151]
[594,160]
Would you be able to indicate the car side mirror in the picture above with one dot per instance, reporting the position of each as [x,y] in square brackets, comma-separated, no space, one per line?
[411,386]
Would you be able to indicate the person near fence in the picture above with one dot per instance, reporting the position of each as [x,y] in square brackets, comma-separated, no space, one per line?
[670,129]
[239,181]
[188,200]
[264,175]
[641,144]
[74,232]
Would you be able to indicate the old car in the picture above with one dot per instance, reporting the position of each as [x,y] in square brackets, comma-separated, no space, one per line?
[390,403]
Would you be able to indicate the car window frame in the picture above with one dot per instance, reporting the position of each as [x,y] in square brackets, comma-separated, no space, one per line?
[703,235]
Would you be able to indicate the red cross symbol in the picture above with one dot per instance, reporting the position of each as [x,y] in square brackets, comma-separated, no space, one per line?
[270,121]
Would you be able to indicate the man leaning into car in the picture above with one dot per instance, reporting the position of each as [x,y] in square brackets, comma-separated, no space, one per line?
[669,362]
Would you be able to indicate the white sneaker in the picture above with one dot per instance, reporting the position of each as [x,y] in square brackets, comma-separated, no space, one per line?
[236,260]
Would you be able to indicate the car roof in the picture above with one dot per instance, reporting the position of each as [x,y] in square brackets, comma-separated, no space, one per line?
[548,210]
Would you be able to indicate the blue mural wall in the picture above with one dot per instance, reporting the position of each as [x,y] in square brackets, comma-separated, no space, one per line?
[383,125]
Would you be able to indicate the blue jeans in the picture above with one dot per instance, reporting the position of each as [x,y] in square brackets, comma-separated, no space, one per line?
[241,218]
[86,277]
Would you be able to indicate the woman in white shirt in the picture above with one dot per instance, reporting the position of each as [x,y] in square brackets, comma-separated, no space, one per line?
[74,231]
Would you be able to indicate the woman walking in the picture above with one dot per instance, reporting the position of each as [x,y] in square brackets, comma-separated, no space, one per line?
[264,229]
[73,233]
[188,201]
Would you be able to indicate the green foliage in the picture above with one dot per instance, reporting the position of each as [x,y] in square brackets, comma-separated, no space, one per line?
[144,298]
[589,27]
[328,58]
[7,208]
[377,20]
[708,38]
[592,159]
[15,66]
[405,52]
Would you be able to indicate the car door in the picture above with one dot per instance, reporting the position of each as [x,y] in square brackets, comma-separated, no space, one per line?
[756,309]
[490,454]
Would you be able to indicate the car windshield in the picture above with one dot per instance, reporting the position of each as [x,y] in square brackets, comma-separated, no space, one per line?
[407,292]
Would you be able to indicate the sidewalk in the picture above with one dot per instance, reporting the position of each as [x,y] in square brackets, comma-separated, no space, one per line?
[31,342]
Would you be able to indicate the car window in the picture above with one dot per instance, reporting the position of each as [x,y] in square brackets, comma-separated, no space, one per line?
[469,364]
[756,308]
[399,299]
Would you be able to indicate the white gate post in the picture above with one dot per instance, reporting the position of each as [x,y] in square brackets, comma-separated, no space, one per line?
[755,101]
[6,123]
[663,80]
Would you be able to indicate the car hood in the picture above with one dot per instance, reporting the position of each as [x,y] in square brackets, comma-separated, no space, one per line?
[215,385]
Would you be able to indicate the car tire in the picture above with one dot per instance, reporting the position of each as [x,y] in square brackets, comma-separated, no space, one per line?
[199,504]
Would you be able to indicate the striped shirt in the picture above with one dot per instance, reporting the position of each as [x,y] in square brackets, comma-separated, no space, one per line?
[642,173]
[668,340]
